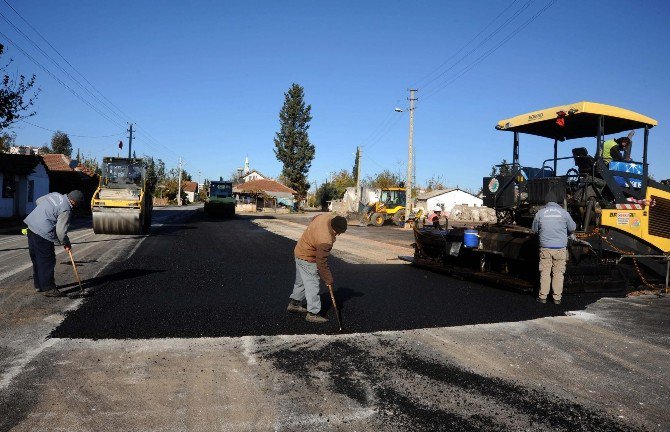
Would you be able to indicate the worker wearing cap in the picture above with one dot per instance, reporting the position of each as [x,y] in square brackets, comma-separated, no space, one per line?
[553,225]
[48,225]
[311,261]
[434,217]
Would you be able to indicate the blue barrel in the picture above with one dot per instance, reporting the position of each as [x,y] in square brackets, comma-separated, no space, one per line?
[471,238]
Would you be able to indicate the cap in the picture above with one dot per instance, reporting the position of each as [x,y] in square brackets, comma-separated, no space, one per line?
[76,196]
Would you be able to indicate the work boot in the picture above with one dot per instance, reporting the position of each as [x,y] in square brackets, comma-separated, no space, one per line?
[541,300]
[315,318]
[52,293]
[294,306]
[557,301]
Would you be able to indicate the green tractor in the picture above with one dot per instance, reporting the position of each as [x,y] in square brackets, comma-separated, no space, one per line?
[221,202]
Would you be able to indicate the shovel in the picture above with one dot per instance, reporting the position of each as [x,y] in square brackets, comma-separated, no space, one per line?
[82,293]
[337,311]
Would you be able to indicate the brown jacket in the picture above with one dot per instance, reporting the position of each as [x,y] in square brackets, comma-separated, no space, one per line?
[315,245]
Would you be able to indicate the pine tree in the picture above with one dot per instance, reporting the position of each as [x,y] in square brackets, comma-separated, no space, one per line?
[292,146]
[354,171]
[61,144]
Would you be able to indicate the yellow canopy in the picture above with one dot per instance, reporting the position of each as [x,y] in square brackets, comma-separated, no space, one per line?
[580,120]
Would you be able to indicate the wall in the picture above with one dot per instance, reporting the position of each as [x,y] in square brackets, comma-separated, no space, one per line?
[41,178]
[450,199]
[6,204]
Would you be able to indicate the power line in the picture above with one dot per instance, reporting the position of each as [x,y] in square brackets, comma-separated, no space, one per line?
[71,134]
[420,83]
[481,43]
[491,51]
[64,59]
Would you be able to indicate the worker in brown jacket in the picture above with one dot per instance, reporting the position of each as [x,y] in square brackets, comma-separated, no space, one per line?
[311,261]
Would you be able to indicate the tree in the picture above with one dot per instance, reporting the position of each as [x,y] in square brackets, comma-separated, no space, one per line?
[15,100]
[292,146]
[435,183]
[384,179]
[7,140]
[502,169]
[326,192]
[151,174]
[61,144]
[91,163]
[354,171]
[341,181]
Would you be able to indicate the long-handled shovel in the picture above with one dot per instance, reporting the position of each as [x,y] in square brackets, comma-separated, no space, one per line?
[337,311]
[82,293]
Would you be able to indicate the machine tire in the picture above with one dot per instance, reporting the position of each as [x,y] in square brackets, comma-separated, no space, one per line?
[399,217]
[377,219]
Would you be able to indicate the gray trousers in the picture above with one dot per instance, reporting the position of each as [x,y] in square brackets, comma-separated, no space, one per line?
[306,285]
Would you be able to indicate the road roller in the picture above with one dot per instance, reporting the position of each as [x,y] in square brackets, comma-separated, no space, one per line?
[220,202]
[122,204]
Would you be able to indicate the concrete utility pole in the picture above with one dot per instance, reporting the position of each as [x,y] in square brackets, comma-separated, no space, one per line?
[179,185]
[410,155]
[358,174]
[130,140]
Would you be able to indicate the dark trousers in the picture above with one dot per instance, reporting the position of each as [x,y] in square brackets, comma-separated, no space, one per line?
[43,256]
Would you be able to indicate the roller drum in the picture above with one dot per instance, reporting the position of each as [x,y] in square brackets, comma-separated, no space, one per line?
[117,221]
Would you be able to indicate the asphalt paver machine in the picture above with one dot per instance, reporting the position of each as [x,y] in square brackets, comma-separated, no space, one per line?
[622,215]
[122,204]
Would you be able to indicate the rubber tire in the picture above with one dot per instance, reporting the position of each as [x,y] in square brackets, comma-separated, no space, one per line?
[377,219]
[399,217]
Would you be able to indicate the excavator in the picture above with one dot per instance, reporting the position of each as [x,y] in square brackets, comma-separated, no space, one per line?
[622,214]
[122,204]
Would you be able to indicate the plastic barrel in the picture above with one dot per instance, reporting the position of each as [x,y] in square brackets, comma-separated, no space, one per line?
[471,238]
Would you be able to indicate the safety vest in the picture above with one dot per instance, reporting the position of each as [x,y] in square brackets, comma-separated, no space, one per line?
[607,148]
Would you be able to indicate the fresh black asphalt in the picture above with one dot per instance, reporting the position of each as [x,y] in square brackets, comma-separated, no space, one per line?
[203,277]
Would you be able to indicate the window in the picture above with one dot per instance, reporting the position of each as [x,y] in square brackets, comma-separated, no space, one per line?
[8,186]
[31,190]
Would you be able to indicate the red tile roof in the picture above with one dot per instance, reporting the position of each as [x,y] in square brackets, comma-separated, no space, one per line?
[60,163]
[190,186]
[263,185]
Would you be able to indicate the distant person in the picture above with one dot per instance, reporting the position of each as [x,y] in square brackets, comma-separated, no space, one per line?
[617,149]
[553,225]
[434,217]
[311,260]
[48,225]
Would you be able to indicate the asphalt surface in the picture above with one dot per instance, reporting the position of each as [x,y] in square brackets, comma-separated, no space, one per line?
[208,277]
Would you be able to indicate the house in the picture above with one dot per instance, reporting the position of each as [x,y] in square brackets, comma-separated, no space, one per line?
[447,199]
[251,176]
[23,178]
[191,190]
[64,179]
[264,193]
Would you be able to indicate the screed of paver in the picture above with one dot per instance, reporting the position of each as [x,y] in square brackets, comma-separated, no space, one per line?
[151,385]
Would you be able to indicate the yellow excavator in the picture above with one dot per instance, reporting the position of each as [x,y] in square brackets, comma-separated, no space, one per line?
[390,207]
[122,204]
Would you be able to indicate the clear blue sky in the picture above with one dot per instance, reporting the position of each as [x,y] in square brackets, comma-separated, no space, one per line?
[205,79]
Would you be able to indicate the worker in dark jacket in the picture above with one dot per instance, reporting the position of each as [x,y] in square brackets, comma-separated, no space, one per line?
[48,225]
[553,225]
[311,261]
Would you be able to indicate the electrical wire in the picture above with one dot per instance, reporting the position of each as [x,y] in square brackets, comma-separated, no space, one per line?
[71,134]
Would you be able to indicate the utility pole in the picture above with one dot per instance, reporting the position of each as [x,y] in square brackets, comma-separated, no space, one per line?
[179,185]
[410,155]
[359,195]
[130,140]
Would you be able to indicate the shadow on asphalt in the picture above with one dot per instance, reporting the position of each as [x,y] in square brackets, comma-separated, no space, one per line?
[98,281]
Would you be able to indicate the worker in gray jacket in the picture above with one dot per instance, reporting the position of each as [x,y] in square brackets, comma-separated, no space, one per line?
[48,225]
[553,225]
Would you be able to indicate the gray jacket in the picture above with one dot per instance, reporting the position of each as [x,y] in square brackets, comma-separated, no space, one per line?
[51,218]
[553,224]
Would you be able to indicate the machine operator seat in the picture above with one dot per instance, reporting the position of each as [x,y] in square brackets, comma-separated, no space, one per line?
[583,160]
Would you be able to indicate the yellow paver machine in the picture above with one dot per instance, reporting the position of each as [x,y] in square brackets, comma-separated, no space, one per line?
[122,204]
[622,215]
